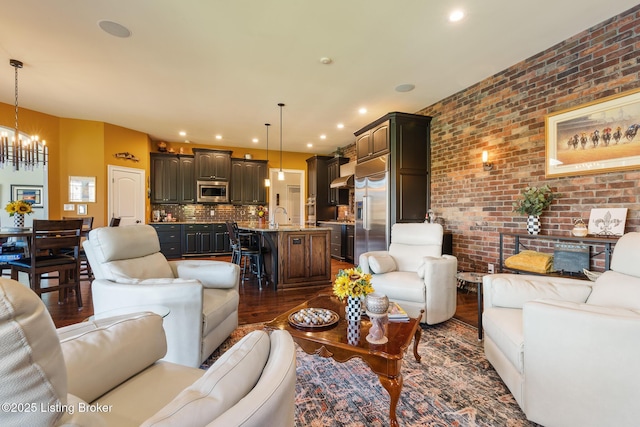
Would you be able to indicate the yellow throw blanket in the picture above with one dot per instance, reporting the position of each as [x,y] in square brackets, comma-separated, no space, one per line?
[535,262]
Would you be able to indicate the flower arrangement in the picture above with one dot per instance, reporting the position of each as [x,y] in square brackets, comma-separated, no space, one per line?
[262,212]
[352,282]
[534,200]
[19,207]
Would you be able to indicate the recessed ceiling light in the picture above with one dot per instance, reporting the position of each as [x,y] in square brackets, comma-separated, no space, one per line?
[182,133]
[218,136]
[309,144]
[115,29]
[408,87]
[323,136]
[362,111]
[254,140]
[456,15]
[340,126]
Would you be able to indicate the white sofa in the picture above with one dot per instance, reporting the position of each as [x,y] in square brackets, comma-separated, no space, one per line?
[568,349]
[414,273]
[107,373]
[202,296]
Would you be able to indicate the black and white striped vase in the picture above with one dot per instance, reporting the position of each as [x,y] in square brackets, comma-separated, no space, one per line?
[533,224]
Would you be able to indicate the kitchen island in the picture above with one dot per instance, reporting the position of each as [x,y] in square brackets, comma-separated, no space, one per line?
[299,255]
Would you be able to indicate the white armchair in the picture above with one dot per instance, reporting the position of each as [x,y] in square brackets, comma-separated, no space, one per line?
[202,296]
[414,273]
[107,373]
[567,349]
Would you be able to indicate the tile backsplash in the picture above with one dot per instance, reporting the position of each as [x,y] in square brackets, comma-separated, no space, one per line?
[208,213]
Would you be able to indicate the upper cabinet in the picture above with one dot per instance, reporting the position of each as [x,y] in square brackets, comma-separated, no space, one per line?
[212,165]
[247,182]
[186,179]
[172,178]
[164,178]
[372,142]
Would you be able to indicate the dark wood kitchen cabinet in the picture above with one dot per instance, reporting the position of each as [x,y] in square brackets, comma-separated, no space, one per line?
[247,182]
[186,179]
[197,239]
[407,141]
[318,187]
[373,142]
[170,239]
[164,178]
[212,165]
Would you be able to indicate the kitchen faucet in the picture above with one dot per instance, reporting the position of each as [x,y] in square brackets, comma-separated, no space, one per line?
[273,217]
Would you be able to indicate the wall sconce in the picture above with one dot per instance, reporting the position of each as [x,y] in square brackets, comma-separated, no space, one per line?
[486,165]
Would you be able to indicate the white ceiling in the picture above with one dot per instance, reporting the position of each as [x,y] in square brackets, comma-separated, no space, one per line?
[221,67]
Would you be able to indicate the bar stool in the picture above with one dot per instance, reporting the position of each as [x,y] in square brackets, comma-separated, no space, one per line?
[241,254]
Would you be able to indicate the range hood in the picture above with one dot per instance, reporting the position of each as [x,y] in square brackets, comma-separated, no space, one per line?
[345,180]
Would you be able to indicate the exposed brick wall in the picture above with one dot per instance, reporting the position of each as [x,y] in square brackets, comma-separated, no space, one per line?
[505,114]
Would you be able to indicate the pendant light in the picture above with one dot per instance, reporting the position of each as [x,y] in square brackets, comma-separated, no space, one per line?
[281,174]
[21,154]
[267,181]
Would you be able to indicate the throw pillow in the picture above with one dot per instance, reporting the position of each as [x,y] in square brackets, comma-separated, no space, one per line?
[382,264]
[616,290]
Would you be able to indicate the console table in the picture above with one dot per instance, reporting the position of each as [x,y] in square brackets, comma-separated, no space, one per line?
[606,242]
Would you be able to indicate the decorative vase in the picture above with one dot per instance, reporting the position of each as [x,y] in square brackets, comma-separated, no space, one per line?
[377,303]
[18,220]
[579,229]
[533,224]
[378,331]
[354,309]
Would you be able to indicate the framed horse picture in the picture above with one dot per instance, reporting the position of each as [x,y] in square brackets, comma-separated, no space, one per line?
[601,136]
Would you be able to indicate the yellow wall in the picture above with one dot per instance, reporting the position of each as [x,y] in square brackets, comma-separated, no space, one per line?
[86,148]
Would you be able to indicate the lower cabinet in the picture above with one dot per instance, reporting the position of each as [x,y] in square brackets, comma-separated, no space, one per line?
[170,239]
[178,240]
[351,240]
[304,258]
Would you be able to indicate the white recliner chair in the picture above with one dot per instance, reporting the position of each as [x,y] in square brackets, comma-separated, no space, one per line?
[568,349]
[107,373]
[414,273]
[202,296]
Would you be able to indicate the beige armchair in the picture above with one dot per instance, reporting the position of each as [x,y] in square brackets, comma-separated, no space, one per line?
[107,373]
[202,296]
[414,273]
[567,349]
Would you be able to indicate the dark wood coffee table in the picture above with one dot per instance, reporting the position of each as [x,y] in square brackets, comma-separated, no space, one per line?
[383,359]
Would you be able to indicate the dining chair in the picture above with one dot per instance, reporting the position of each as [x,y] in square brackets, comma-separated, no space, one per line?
[87,226]
[51,241]
[241,252]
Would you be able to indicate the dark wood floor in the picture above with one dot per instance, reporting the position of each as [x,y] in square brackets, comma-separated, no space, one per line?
[255,305]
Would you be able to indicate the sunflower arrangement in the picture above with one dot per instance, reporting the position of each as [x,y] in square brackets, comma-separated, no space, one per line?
[19,207]
[262,212]
[352,282]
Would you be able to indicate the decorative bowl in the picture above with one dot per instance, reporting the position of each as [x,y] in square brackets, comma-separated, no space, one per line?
[377,303]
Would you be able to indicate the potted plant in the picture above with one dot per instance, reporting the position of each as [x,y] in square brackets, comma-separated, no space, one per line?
[532,201]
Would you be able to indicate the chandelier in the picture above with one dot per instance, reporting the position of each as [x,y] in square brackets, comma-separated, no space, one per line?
[21,153]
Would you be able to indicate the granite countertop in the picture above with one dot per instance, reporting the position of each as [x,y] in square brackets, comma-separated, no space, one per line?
[338,222]
[264,227]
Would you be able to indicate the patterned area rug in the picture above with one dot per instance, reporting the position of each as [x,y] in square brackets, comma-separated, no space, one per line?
[454,385]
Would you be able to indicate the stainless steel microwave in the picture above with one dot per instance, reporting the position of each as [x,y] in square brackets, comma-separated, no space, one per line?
[213,192]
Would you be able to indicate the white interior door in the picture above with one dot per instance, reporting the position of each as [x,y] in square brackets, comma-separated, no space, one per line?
[126,194]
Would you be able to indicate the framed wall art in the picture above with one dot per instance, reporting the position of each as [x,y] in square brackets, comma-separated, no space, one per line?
[606,222]
[600,136]
[30,193]
[81,209]
[82,189]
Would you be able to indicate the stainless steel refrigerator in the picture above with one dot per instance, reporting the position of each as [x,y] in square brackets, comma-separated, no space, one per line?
[372,206]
